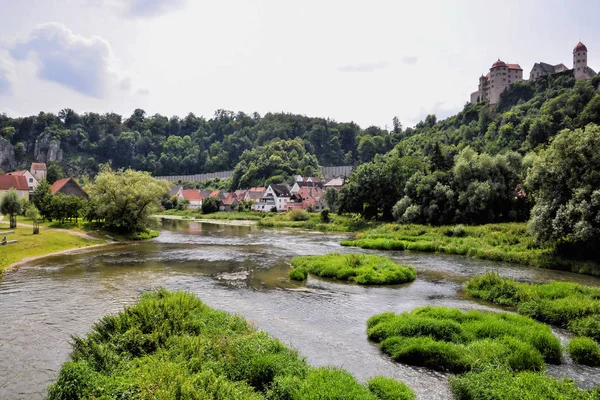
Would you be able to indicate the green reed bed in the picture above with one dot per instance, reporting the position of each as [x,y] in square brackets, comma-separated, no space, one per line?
[448,339]
[496,383]
[364,269]
[566,305]
[313,221]
[172,346]
[508,242]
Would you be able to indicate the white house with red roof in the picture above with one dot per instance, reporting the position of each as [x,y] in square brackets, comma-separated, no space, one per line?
[192,196]
[17,182]
[32,181]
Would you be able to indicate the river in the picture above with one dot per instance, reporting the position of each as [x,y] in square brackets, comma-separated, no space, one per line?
[242,270]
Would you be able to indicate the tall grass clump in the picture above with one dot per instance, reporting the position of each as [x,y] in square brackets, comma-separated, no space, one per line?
[364,269]
[585,351]
[448,339]
[299,215]
[498,383]
[171,346]
[566,305]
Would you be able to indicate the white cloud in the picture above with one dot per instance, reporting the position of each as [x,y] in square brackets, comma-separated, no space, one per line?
[86,65]
[7,76]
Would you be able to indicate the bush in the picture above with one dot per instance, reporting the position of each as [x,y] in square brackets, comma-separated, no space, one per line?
[171,345]
[325,216]
[299,215]
[497,383]
[585,351]
[363,269]
[389,389]
[298,274]
[452,340]
[210,205]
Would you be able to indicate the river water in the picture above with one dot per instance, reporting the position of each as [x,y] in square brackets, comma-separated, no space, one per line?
[241,270]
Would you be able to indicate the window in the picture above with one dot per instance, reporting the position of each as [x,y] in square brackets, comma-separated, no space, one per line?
[30,180]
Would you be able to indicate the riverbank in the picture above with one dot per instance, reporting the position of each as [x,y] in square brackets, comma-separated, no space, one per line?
[172,345]
[49,242]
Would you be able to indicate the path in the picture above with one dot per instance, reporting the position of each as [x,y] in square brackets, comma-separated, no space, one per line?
[70,232]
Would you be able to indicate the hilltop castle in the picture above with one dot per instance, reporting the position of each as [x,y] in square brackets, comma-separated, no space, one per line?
[501,75]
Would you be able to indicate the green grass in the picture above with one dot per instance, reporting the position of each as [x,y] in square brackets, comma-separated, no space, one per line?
[567,305]
[448,339]
[585,351]
[172,346]
[30,245]
[495,383]
[364,269]
[337,223]
[509,242]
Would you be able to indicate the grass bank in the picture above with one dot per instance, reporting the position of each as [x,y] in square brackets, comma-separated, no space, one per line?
[312,221]
[171,346]
[496,383]
[448,339]
[364,269]
[509,242]
[29,245]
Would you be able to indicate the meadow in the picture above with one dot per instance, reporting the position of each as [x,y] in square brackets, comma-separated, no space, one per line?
[364,269]
[170,345]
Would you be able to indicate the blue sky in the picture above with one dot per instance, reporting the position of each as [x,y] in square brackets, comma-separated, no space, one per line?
[345,60]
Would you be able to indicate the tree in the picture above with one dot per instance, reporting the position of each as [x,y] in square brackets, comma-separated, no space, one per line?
[33,214]
[210,205]
[564,182]
[54,172]
[11,205]
[126,199]
[331,197]
[42,199]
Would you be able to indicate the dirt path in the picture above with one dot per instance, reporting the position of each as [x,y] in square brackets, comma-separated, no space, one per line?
[70,232]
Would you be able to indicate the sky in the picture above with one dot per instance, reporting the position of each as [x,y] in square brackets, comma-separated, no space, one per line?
[347,60]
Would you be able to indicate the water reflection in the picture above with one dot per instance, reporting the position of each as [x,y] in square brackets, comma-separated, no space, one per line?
[241,270]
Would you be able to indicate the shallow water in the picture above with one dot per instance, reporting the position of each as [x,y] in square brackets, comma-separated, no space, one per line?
[241,270]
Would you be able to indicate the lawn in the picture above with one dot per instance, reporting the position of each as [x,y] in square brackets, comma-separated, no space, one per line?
[30,245]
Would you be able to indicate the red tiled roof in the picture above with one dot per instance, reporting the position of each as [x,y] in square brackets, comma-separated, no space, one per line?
[17,173]
[13,182]
[215,193]
[56,186]
[38,166]
[498,64]
[191,195]
[580,47]
[515,66]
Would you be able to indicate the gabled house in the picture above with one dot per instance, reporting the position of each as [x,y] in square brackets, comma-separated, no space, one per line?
[254,194]
[68,187]
[335,183]
[38,170]
[174,191]
[17,182]
[308,197]
[305,182]
[276,196]
[32,181]
[192,196]
[240,194]
[230,203]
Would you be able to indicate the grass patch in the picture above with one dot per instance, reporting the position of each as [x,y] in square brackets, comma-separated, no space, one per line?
[502,384]
[312,221]
[448,339]
[585,351]
[29,245]
[171,345]
[509,242]
[145,235]
[364,269]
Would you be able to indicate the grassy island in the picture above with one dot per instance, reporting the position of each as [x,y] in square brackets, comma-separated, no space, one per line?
[364,269]
[563,304]
[172,346]
[448,339]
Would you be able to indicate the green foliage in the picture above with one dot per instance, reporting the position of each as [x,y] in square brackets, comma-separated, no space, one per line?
[584,350]
[299,215]
[497,383]
[11,205]
[42,198]
[588,326]
[298,274]
[389,389]
[126,200]
[364,269]
[171,345]
[325,216]
[210,205]
[54,172]
[448,339]
[564,183]
[332,198]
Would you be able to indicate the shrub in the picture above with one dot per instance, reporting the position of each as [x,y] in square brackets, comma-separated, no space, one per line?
[452,340]
[584,350]
[363,269]
[325,216]
[299,215]
[389,389]
[210,205]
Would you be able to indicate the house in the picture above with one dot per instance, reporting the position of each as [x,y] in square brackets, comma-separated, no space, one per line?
[174,191]
[32,181]
[38,170]
[254,194]
[230,203]
[276,196]
[192,196]
[305,182]
[17,182]
[240,194]
[205,193]
[335,183]
[308,197]
[543,69]
[68,187]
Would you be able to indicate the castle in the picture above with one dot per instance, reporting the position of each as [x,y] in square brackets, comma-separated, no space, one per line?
[502,75]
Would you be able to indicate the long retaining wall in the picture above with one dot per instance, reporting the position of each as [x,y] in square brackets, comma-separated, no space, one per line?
[328,172]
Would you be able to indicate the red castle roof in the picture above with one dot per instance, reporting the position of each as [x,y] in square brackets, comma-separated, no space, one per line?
[580,47]
[499,64]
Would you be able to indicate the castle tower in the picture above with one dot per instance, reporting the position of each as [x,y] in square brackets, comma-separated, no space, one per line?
[580,61]
[498,81]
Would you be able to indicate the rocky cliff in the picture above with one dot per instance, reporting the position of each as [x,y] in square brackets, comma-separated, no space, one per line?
[47,149]
[7,155]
